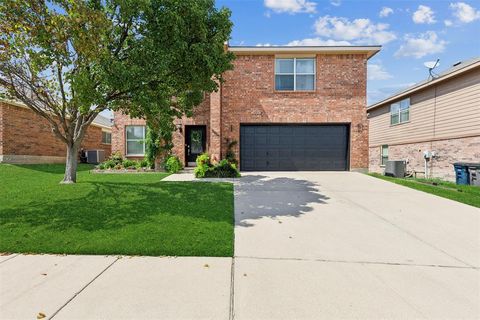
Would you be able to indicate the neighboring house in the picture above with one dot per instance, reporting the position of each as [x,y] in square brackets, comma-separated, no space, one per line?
[289,108]
[440,116]
[26,137]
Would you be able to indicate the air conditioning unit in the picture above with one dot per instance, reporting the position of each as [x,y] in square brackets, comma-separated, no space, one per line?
[95,156]
[395,168]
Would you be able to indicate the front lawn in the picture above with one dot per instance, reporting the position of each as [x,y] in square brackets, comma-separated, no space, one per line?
[465,194]
[130,214]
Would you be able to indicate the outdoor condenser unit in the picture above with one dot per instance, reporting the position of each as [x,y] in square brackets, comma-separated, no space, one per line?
[395,168]
[95,156]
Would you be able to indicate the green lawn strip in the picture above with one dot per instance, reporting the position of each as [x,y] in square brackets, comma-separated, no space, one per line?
[131,214]
[466,194]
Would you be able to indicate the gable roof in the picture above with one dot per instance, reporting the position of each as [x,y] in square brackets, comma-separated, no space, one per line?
[370,51]
[103,121]
[455,70]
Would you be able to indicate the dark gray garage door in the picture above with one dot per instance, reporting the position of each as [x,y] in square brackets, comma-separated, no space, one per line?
[293,147]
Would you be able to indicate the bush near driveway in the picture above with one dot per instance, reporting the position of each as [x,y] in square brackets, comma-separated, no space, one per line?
[112,214]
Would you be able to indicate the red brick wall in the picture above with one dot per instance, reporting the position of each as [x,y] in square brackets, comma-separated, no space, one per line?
[25,133]
[448,151]
[249,96]
[118,131]
[201,116]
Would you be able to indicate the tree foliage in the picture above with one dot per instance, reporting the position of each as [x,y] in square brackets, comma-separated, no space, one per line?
[69,60]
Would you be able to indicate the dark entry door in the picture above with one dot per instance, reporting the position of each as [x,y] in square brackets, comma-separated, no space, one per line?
[294,147]
[195,142]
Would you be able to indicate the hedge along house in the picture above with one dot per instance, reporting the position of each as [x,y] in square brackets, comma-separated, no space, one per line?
[288,108]
[26,137]
[439,118]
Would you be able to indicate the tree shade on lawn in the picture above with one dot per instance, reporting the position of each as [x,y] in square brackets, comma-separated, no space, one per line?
[70,60]
[129,214]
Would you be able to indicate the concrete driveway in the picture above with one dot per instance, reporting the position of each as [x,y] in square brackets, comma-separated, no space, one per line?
[311,245]
[308,245]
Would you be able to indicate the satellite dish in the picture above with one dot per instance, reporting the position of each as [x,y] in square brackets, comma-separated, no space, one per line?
[432,65]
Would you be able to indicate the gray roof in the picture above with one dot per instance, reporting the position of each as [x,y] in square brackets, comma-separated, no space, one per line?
[102,121]
[444,74]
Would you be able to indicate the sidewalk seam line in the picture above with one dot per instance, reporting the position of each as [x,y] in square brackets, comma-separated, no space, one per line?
[362,262]
[83,288]
[14,256]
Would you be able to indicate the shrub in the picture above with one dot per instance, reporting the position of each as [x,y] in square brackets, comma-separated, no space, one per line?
[230,155]
[130,164]
[143,163]
[173,164]
[203,165]
[109,164]
[224,169]
[116,158]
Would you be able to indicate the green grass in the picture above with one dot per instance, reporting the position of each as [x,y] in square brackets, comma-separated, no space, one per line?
[128,214]
[465,194]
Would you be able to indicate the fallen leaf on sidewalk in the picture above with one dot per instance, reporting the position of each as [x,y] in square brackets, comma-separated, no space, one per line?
[43,274]
[206,265]
[41,315]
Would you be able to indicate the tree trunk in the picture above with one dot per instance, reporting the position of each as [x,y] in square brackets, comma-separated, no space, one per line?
[71,164]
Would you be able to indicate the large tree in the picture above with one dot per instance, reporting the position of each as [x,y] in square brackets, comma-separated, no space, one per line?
[68,60]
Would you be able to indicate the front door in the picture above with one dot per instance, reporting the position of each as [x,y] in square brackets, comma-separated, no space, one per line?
[195,142]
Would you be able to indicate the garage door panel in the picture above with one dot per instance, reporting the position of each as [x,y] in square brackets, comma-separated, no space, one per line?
[294,147]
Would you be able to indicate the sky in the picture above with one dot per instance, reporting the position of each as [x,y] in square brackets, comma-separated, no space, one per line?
[410,32]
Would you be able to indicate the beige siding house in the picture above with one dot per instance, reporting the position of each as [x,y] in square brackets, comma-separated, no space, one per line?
[439,118]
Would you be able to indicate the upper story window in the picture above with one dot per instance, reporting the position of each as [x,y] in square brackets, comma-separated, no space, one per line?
[106,137]
[135,140]
[400,111]
[295,74]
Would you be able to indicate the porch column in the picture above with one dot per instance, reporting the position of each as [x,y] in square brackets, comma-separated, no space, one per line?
[215,145]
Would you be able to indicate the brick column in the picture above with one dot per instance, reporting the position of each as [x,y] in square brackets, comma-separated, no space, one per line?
[215,145]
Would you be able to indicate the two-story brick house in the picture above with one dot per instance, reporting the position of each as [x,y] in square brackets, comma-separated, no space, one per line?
[289,108]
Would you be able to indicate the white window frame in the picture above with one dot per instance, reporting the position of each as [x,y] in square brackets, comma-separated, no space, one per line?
[399,112]
[382,164]
[295,74]
[107,132]
[127,140]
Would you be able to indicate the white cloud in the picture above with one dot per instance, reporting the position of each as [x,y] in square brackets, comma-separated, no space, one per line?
[424,14]
[318,42]
[424,44]
[464,12]
[377,72]
[359,31]
[385,12]
[291,6]
[264,44]
[336,3]
[448,23]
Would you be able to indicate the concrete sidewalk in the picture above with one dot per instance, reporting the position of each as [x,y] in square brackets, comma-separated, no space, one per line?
[106,287]
[308,245]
